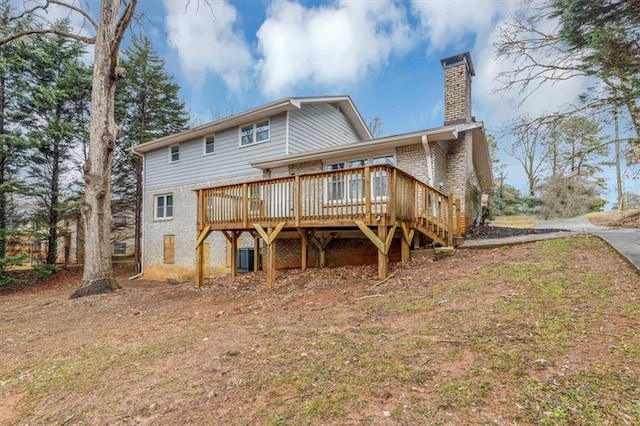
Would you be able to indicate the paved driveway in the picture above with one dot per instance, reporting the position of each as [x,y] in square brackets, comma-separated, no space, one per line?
[625,240]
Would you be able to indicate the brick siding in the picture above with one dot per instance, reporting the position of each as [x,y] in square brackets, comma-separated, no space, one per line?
[457,94]
[340,252]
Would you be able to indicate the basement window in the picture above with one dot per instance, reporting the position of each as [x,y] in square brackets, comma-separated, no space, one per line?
[164,207]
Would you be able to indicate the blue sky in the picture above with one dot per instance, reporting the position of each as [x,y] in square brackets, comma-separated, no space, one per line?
[229,56]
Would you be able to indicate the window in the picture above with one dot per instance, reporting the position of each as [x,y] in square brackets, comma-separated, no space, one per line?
[356,181]
[174,153]
[164,206]
[169,253]
[255,201]
[209,145]
[253,133]
[335,183]
[379,178]
[119,248]
[351,186]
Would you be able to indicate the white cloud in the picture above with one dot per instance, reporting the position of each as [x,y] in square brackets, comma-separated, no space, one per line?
[207,40]
[331,46]
[446,23]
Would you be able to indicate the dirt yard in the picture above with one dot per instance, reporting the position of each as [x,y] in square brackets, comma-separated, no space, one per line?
[542,333]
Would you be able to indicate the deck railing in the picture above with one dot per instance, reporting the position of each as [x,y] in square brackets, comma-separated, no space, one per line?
[337,197]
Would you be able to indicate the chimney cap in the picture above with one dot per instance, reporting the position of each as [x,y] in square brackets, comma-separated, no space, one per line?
[460,58]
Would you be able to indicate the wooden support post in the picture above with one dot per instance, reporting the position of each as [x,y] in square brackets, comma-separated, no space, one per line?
[234,252]
[458,220]
[256,251]
[304,248]
[383,258]
[382,241]
[450,225]
[269,236]
[200,265]
[202,235]
[322,244]
[271,260]
[407,238]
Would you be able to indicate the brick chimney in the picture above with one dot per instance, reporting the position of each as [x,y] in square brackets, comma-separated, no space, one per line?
[458,71]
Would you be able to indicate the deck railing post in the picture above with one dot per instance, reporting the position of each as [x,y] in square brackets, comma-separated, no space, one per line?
[245,205]
[201,210]
[392,190]
[367,195]
[297,207]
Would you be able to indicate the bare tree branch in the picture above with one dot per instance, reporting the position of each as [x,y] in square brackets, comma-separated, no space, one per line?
[76,9]
[20,34]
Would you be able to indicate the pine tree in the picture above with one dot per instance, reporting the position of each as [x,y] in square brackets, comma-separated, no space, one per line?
[147,107]
[60,87]
[13,62]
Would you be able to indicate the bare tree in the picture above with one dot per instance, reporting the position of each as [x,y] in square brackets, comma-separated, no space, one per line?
[115,17]
[539,43]
[529,150]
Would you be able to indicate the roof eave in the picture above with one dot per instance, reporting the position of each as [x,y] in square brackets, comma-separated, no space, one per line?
[482,159]
[225,123]
[437,134]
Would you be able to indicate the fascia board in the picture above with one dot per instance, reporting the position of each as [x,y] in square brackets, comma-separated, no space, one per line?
[439,134]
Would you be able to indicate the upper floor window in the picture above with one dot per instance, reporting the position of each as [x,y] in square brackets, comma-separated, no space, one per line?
[174,153]
[164,206]
[256,132]
[209,145]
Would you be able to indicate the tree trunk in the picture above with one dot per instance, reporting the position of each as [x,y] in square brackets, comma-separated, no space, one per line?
[3,195]
[97,275]
[138,217]
[619,189]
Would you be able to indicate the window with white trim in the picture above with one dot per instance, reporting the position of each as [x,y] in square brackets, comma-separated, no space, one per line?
[164,206]
[254,133]
[379,178]
[174,153]
[350,187]
[209,145]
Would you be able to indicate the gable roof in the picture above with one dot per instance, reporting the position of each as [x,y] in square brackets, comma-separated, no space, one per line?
[287,104]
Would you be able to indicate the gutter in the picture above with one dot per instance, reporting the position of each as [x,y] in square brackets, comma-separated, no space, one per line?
[434,135]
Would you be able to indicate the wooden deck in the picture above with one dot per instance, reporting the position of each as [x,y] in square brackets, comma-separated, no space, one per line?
[379,197]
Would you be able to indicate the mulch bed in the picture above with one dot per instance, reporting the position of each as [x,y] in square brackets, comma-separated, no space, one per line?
[483,232]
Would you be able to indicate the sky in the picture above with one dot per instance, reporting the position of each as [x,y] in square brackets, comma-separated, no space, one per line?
[229,56]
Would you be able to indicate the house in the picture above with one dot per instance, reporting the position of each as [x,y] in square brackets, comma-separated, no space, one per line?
[301,182]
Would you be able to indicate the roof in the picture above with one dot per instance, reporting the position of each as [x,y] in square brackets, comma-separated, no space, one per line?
[287,104]
[480,155]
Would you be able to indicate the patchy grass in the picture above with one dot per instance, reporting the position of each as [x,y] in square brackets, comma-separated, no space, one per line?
[625,218]
[543,333]
[522,221]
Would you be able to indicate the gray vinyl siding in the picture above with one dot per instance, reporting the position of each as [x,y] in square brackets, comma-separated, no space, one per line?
[228,161]
[317,126]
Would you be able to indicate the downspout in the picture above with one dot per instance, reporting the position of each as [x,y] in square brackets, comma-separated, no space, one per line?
[138,275]
[427,151]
